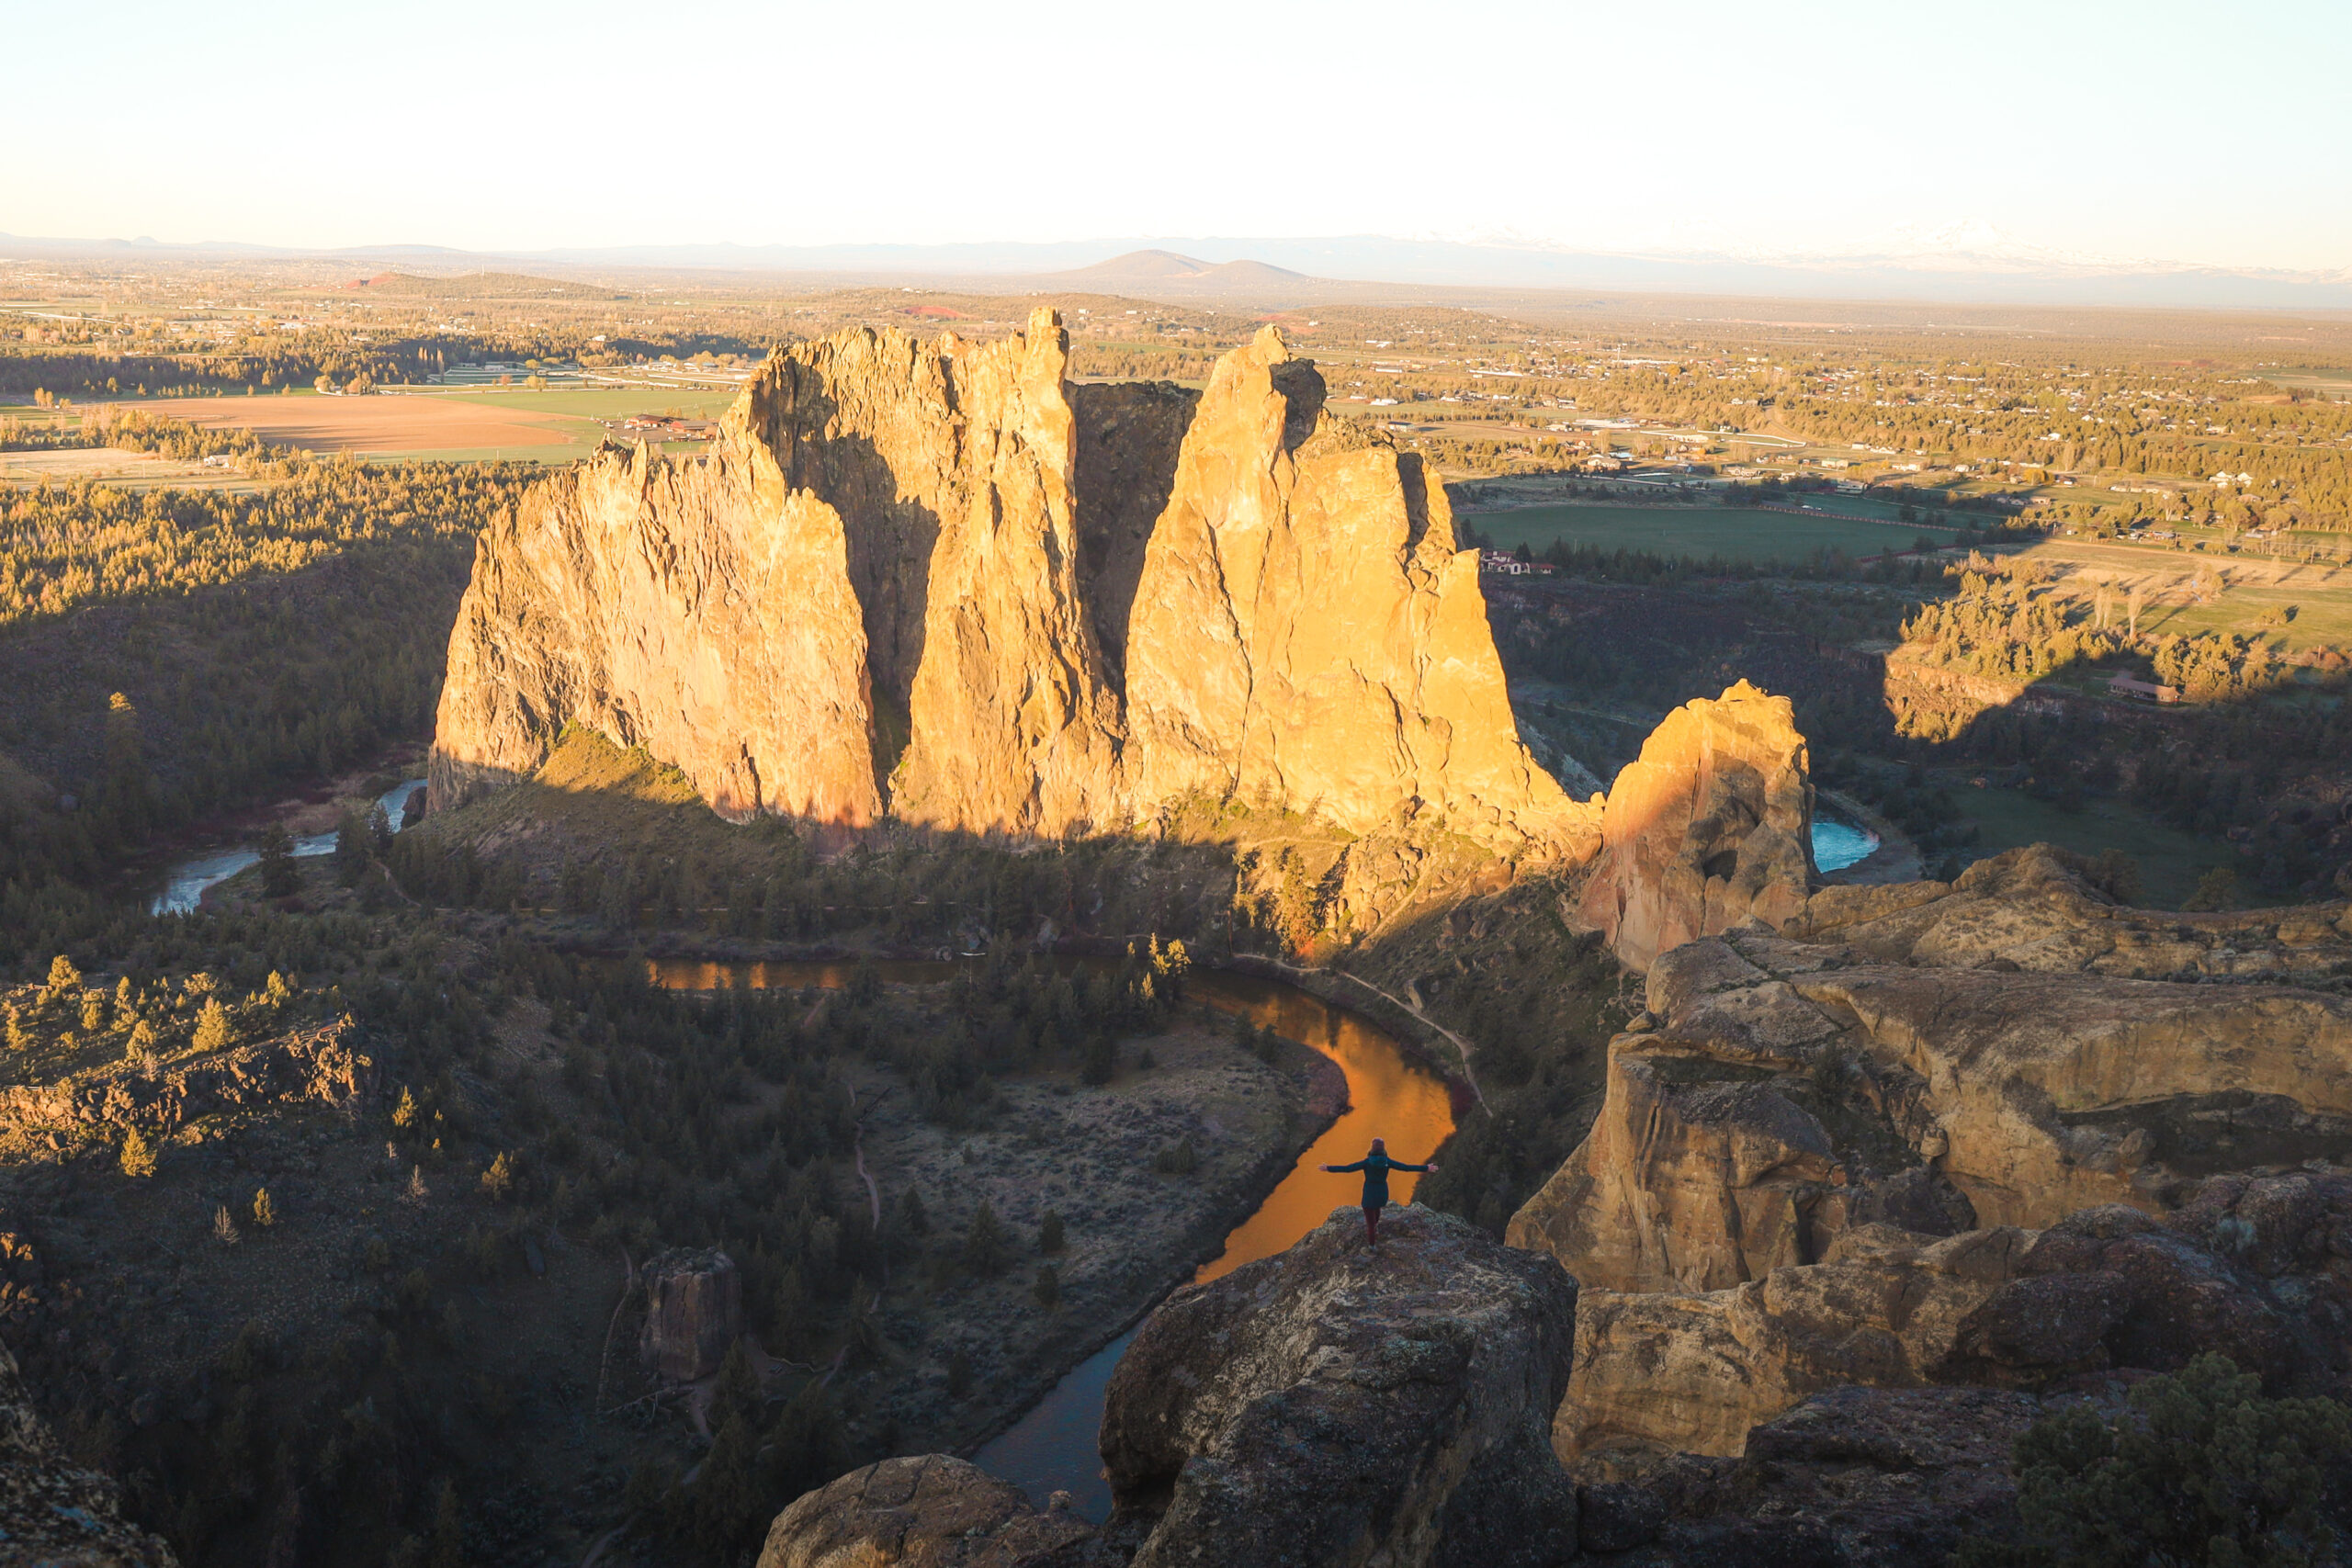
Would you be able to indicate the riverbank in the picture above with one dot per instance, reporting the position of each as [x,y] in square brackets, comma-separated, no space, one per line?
[1227,1125]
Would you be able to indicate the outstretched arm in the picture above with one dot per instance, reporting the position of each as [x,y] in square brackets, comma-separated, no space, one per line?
[1401,1164]
[1343,1169]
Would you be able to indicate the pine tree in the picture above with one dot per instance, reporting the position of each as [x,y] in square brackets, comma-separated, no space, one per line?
[448,1531]
[63,978]
[224,1229]
[1049,1234]
[138,1156]
[499,1179]
[404,1113]
[212,1026]
[279,875]
[984,1248]
[1049,1289]
[265,1211]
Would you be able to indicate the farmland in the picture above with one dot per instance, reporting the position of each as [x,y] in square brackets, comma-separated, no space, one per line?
[530,426]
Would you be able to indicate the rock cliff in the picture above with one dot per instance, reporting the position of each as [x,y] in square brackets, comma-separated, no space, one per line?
[1933,1134]
[1710,827]
[1306,633]
[938,583]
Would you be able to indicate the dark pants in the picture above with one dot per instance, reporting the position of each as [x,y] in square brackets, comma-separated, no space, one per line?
[1372,1224]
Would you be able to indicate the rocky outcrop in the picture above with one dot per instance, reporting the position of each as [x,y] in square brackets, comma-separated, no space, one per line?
[1932,1136]
[693,1312]
[1711,828]
[1776,1092]
[1331,1405]
[938,583]
[1306,633]
[2030,909]
[2104,1289]
[924,1511]
[322,1064]
[1855,1477]
[53,1512]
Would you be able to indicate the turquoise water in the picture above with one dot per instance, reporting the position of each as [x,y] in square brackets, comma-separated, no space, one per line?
[1837,845]
[185,881]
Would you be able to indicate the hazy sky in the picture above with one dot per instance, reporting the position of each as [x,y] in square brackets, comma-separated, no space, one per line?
[2204,132]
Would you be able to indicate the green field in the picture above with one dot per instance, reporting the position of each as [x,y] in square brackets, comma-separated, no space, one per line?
[601,402]
[2170,861]
[1735,532]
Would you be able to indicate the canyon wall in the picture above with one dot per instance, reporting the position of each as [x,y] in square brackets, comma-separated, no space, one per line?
[940,583]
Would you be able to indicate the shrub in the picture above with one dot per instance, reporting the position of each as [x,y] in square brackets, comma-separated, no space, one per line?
[265,1211]
[2216,889]
[1049,1234]
[1049,1289]
[2202,1470]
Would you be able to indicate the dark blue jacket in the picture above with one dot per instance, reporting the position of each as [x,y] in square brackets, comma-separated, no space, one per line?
[1375,1168]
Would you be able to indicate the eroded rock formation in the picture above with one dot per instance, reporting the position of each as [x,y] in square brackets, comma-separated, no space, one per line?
[1941,1135]
[1710,828]
[938,583]
[693,1312]
[1306,631]
[1328,1406]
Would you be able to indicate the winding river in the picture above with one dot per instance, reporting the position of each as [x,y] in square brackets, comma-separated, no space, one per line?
[1053,1448]
[185,881]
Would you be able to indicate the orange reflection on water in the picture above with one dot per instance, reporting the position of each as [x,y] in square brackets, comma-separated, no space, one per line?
[1385,1100]
[1385,1097]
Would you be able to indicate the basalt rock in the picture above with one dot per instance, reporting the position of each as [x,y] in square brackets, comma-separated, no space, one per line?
[693,1312]
[1711,828]
[52,1510]
[940,583]
[926,1511]
[1332,1405]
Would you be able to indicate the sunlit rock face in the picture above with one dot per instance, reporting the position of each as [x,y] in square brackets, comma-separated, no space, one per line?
[1306,633]
[1710,828]
[939,583]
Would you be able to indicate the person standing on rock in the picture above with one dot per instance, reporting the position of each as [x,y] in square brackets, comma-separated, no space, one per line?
[1376,1167]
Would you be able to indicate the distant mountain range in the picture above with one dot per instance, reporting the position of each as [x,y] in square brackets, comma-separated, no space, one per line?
[1970,263]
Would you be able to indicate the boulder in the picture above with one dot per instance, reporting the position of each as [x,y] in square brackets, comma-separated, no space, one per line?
[924,1511]
[693,1312]
[1335,1406]
[1712,825]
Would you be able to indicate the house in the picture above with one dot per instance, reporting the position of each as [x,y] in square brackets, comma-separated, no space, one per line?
[2126,686]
